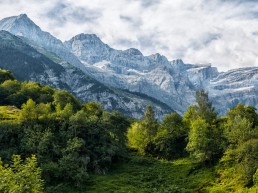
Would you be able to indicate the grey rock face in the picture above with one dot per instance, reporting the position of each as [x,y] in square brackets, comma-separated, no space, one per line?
[22,26]
[173,83]
[29,64]
[233,87]
[92,46]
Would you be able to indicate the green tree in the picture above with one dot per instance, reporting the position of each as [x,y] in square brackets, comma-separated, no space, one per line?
[21,177]
[11,86]
[117,125]
[66,113]
[32,113]
[40,141]
[170,140]
[63,98]
[204,108]
[198,145]
[247,112]
[255,177]
[238,130]
[141,134]
[79,125]
[241,133]
[205,141]
[29,112]
[189,115]
[8,91]
[31,90]
[10,136]
[73,163]
[44,111]
[94,110]
[150,123]
[5,75]
[138,137]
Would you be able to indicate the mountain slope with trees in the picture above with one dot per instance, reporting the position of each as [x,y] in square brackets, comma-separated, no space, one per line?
[77,147]
[69,138]
[27,63]
[171,82]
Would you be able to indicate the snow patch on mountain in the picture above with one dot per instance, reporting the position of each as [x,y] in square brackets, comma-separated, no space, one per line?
[171,82]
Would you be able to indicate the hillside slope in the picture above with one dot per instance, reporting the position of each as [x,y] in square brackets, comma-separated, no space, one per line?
[27,63]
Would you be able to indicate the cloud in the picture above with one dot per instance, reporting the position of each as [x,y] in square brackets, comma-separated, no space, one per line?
[64,12]
[147,3]
[221,32]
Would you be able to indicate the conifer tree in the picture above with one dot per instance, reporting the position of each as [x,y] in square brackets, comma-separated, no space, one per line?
[204,108]
[204,138]
[150,122]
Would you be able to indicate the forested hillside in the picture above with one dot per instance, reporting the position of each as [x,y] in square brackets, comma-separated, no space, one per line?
[69,139]
[73,147]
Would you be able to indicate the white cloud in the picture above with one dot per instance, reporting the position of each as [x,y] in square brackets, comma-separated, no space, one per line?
[221,32]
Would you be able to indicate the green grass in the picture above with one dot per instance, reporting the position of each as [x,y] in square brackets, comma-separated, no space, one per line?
[148,175]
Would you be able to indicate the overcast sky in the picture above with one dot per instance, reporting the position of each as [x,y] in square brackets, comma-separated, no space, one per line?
[221,32]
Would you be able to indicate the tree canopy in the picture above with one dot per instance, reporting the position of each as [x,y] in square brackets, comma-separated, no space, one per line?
[72,140]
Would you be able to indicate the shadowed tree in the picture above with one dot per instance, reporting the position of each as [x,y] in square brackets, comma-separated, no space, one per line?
[204,108]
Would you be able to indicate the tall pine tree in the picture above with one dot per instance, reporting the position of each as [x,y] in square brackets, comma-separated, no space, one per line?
[204,108]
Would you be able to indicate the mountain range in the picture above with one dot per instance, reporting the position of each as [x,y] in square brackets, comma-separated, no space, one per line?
[123,80]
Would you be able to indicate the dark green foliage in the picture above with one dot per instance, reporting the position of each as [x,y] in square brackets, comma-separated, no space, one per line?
[242,137]
[170,140]
[205,137]
[204,107]
[70,140]
[247,112]
[73,140]
[17,93]
[5,75]
[165,140]
[117,124]
[10,137]
[72,163]
[62,98]
[150,121]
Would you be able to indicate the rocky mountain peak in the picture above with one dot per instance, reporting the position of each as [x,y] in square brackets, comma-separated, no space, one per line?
[18,24]
[82,36]
[133,51]
[89,48]
[91,40]
[178,62]
[158,58]
[23,16]
[174,83]
[22,25]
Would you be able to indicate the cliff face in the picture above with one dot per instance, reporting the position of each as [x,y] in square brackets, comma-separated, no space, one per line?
[28,64]
[87,61]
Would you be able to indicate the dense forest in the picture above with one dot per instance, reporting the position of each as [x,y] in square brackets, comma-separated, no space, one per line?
[51,142]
